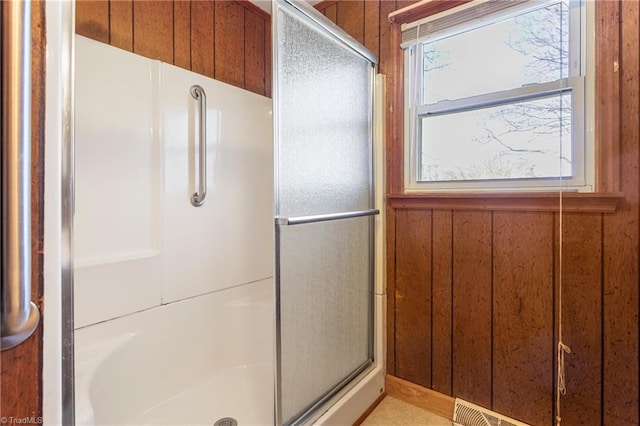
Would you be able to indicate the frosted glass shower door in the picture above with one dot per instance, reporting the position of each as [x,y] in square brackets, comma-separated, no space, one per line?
[324,209]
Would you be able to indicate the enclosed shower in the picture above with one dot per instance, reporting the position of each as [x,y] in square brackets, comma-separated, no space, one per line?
[225,243]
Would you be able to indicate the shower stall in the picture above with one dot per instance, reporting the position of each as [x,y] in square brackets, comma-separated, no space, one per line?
[228,247]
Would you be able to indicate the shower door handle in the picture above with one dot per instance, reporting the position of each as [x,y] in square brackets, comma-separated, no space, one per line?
[197,198]
[301,220]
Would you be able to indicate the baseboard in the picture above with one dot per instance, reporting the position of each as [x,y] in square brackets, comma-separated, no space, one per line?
[370,409]
[417,395]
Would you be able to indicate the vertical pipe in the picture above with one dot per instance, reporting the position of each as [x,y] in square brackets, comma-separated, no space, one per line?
[19,316]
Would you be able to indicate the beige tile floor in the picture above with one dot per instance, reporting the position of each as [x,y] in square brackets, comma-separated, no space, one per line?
[393,412]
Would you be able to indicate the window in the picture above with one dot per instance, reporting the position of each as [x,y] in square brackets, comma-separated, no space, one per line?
[495,98]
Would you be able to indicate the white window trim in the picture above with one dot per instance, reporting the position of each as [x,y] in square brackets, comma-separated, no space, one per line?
[581,82]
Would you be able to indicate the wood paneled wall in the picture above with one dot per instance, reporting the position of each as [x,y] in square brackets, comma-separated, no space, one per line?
[21,366]
[473,296]
[226,40]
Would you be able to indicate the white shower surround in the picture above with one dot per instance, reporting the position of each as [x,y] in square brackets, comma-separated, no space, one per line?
[174,304]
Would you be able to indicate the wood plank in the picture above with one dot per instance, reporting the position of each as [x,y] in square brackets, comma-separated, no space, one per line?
[153,29]
[331,12]
[229,42]
[182,34]
[92,19]
[121,24]
[386,58]
[401,4]
[391,64]
[372,26]
[391,289]
[581,315]
[607,107]
[202,43]
[442,302]
[254,10]
[523,349]
[427,399]
[323,5]
[413,296]
[621,244]
[254,52]
[351,18]
[472,307]
[268,60]
[583,202]
[21,367]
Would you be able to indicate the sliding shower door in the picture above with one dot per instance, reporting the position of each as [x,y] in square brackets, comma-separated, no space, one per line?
[324,209]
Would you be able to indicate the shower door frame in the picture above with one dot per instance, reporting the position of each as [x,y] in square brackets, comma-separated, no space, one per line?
[324,25]
[57,385]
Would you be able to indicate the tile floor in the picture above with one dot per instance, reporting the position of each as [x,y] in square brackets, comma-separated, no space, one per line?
[393,412]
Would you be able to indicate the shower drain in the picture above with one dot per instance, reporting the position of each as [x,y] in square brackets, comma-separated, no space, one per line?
[226,421]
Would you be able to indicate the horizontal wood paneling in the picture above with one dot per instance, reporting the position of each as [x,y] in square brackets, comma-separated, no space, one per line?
[225,39]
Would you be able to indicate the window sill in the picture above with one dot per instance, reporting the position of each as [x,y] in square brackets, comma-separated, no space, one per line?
[582,202]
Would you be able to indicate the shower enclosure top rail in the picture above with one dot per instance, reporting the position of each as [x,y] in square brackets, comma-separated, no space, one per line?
[19,316]
[308,11]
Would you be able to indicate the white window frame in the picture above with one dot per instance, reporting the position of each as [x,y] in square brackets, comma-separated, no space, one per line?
[580,83]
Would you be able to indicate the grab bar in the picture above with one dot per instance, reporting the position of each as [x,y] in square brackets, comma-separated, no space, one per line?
[19,316]
[299,220]
[197,199]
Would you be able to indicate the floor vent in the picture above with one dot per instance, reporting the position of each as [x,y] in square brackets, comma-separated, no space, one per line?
[468,414]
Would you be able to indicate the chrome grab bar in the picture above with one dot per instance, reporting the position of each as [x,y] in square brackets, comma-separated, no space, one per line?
[197,198]
[299,220]
[19,316]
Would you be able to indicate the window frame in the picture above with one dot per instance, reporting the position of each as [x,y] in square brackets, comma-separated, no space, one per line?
[580,82]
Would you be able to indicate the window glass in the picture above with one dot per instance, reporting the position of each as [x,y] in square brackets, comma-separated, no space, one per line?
[522,140]
[496,98]
[530,48]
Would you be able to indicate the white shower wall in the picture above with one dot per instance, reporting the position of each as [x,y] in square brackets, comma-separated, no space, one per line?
[139,243]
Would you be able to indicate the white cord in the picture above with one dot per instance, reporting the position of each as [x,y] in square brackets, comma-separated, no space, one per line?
[563,349]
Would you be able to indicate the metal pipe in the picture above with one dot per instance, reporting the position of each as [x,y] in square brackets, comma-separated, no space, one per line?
[19,317]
